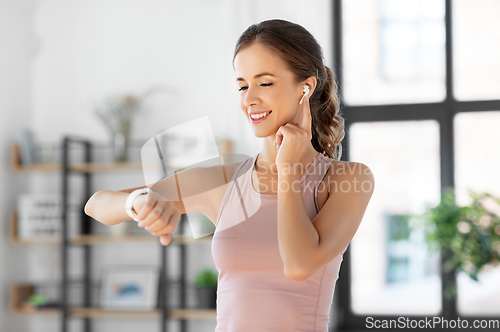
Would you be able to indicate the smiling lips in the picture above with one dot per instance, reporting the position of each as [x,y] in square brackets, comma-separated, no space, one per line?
[258,117]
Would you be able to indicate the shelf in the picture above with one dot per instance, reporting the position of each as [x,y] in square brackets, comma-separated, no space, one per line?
[174,313]
[104,239]
[28,309]
[193,313]
[18,167]
[185,239]
[99,239]
[19,293]
[99,313]
[105,167]
[77,167]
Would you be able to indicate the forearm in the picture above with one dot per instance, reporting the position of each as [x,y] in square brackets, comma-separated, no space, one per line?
[298,240]
[108,207]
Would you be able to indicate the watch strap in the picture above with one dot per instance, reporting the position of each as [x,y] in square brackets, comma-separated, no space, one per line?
[130,199]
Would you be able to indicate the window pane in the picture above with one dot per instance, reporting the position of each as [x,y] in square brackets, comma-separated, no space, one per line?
[390,263]
[476,48]
[394,51]
[477,165]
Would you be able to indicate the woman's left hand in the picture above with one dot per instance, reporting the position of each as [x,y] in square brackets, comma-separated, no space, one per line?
[293,140]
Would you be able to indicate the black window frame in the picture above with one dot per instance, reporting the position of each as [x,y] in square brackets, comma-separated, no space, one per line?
[443,112]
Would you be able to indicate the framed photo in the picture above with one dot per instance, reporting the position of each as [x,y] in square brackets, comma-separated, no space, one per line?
[129,288]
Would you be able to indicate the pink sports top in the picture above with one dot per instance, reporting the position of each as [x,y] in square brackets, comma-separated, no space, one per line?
[253,293]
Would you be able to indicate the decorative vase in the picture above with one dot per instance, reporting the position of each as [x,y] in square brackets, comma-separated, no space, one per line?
[207,297]
[121,145]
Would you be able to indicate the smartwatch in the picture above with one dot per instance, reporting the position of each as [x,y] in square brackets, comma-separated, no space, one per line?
[128,203]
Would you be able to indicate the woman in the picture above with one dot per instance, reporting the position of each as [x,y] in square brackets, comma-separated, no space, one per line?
[277,265]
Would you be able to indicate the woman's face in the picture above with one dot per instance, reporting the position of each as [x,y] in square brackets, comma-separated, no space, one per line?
[266,85]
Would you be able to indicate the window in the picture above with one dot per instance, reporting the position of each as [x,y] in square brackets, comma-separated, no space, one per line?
[397,265]
[476,47]
[393,51]
[478,168]
[420,91]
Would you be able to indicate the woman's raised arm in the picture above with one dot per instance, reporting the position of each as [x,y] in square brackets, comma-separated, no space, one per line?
[108,206]
[160,210]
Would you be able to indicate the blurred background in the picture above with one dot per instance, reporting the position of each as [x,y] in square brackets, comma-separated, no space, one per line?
[420,89]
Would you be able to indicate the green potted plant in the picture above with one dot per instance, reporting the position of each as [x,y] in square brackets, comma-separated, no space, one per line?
[205,282]
[468,236]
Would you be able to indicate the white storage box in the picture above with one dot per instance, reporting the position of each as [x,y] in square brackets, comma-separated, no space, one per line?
[40,215]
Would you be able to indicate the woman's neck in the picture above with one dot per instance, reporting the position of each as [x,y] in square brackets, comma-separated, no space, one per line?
[266,160]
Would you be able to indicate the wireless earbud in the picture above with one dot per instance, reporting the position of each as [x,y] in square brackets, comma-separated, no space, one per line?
[306,92]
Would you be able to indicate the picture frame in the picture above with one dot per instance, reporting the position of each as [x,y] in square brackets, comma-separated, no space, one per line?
[129,288]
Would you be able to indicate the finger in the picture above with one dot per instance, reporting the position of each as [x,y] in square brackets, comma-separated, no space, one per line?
[175,218]
[295,129]
[306,117]
[279,137]
[164,231]
[286,130]
[166,239]
[156,211]
[283,131]
[161,219]
[152,216]
[292,129]
[149,204]
[167,223]
[159,224]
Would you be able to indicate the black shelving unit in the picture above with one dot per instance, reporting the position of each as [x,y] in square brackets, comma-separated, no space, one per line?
[86,229]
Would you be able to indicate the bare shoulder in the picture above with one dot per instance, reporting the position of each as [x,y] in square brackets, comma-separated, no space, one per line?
[353,172]
[348,167]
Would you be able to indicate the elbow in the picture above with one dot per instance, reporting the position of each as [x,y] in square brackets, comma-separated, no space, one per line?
[297,275]
[305,269]
[88,209]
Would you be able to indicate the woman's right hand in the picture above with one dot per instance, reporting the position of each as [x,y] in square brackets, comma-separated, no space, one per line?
[158,217]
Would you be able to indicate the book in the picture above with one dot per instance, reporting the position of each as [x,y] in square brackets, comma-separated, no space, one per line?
[26,147]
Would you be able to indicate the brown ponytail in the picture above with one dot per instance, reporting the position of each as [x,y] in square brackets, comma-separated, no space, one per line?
[304,56]
[328,124]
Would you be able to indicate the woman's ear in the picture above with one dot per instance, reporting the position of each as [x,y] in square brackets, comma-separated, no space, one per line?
[305,93]
[311,82]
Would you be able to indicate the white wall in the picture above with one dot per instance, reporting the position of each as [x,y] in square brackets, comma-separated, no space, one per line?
[94,48]
[15,98]
[81,51]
